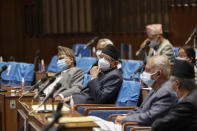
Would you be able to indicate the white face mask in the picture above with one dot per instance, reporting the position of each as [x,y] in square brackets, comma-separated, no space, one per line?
[103,64]
[98,53]
[182,58]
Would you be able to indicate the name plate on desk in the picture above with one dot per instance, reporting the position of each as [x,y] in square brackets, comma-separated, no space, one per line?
[48,107]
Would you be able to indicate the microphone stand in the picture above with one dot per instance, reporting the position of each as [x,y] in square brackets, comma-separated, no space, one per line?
[195,46]
[45,103]
[86,46]
[193,34]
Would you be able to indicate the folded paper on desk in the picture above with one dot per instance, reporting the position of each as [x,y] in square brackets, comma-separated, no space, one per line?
[48,107]
[74,119]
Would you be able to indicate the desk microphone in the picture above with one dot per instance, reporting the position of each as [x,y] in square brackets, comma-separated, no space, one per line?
[91,42]
[192,34]
[147,43]
[138,70]
[51,80]
[42,80]
[3,68]
[57,115]
[56,87]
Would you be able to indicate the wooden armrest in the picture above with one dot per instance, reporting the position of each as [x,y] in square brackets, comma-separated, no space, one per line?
[130,124]
[140,128]
[113,115]
[95,105]
[107,108]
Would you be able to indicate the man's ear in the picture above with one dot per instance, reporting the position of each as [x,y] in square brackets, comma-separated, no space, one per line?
[115,63]
[71,59]
[178,84]
[190,59]
[158,73]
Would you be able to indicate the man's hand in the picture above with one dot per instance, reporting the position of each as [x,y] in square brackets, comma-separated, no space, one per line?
[94,71]
[119,119]
[58,98]
[67,99]
[143,43]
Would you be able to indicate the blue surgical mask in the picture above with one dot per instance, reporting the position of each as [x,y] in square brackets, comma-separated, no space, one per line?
[153,44]
[61,65]
[146,78]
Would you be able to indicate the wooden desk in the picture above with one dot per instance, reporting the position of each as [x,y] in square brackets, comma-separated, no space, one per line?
[8,109]
[36,122]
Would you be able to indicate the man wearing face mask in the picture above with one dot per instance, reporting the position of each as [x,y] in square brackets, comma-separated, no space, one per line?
[101,44]
[105,83]
[159,100]
[157,43]
[183,117]
[188,53]
[71,77]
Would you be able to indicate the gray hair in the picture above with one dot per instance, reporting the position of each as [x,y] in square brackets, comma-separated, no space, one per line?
[188,84]
[107,41]
[161,63]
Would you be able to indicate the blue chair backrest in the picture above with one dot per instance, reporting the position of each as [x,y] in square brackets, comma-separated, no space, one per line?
[129,93]
[80,51]
[129,67]
[86,79]
[176,49]
[17,72]
[53,65]
[85,63]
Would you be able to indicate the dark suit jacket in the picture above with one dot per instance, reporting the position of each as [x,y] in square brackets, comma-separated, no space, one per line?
[183,117]
[156,105]
[101,90]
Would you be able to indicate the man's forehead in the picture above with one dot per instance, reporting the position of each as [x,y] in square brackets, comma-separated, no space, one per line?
[149,64]
[63,56]
[105,55]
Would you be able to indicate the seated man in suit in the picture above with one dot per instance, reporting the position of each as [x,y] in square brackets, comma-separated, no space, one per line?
[183,117]
[160,99]
[105,83]
[71,77]
[157,43]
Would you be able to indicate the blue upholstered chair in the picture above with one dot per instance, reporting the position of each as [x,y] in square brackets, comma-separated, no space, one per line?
[176,49]
[127,100]
[80,51]
[15,72]
[86,79]
[53,65]
[129,67]
[85,63]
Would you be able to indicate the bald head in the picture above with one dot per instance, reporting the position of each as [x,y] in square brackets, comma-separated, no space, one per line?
[159,63]
[102,43]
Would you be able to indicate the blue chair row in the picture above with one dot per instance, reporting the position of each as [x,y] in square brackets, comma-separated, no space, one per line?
[82,62]
[128,66]
[128,97]
[15,72]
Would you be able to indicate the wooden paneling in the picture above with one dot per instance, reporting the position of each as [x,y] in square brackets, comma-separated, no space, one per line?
[182,22]
[13,42]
